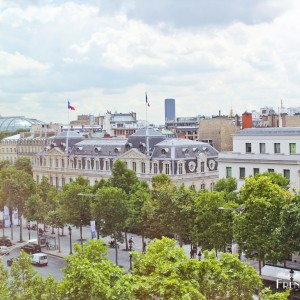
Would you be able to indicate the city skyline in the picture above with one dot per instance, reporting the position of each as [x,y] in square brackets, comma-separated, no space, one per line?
[209,56]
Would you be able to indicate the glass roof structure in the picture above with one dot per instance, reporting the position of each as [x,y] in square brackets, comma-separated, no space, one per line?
[14,123]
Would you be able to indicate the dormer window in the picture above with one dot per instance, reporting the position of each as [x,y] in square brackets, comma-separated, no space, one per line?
[117,150]
[185,150]
[97,149]
[164,151]
[78,148]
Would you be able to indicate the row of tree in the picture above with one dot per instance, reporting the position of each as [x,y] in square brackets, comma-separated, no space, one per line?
[164,272]
[263,217]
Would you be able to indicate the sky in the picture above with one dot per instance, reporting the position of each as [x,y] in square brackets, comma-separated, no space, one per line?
[104,55]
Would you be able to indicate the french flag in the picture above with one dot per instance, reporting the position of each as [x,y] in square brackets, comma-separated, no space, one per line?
[147,101]
[70,106]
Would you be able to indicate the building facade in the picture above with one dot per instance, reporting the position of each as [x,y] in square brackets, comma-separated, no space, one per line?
[147,152]
[259,150]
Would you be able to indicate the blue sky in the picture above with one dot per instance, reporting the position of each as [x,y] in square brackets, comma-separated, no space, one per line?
[103,55]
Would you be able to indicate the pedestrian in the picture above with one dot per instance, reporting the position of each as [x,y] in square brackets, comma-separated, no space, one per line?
[47,245]
[199,255]
[144,247]
[130,243]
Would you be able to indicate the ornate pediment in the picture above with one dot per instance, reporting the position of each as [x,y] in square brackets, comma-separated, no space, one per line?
[55,152]
[132,154]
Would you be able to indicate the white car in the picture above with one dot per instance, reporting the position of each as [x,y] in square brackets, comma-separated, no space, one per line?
[4,250]
[40,259]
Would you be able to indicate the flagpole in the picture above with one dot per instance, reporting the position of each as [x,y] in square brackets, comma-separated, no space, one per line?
[67,140]
[147,137]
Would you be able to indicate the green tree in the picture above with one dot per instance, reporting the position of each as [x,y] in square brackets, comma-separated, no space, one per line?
[123,178]
[25,283]
[127,181]
[89,274]
[109,210]
[75,205]
[276,178]
[161,208]
[229,188]
[16,186]
[212,226]
[136,212]
[3,281]
[256,225]
[24,164]
[164,272]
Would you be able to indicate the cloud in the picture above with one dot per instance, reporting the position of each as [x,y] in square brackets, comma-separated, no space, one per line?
[104,55]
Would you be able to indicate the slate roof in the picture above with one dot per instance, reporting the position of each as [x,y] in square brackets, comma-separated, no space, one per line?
[182,149]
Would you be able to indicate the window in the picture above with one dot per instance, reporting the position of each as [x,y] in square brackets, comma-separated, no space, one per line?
[155,168]
[292,148]
[262,148]
[248,147]
[51,180]
[63,181]
[107,165]
[79,164]
[180,168]
[255,171]
[167,169]
[56,182]
[62,163]
[202,186]
[97,165]
[270,170]
[212,185]
[286,174]
[37,178]
[202,166]
[228,172]
[56,163]
[276,147]
[88,164]
[134,166]
[242,173]
[143,167]
[50,162]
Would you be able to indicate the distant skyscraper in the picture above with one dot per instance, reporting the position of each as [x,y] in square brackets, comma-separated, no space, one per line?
[170,110]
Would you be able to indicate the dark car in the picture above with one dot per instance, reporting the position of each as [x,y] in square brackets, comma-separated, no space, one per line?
[11,260]
[31,248]
[5,242]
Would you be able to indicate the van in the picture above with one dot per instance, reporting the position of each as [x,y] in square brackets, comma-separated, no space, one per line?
[39,259]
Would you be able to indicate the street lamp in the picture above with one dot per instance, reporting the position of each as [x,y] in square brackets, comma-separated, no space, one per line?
[70,233]
[291,277]
[130,261]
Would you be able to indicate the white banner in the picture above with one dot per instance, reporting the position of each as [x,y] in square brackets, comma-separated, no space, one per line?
[15,217]
[6,217]
[235,248]
[93,229]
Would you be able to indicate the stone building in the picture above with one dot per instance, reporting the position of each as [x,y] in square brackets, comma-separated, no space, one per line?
[218,132]
[147,152]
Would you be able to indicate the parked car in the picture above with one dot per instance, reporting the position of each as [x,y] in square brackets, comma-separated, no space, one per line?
[11,260]
[31,248]
[5,242]
[40,259]
[4,250]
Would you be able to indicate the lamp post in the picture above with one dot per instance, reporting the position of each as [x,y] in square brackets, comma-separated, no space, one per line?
[291,277]
[130,262]
[70,233]
[28,227]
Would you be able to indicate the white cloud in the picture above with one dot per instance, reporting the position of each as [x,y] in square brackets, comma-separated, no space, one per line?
[105,55]
[17,64]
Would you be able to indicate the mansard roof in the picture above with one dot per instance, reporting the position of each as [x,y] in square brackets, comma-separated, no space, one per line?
[182,149]
[100,147]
